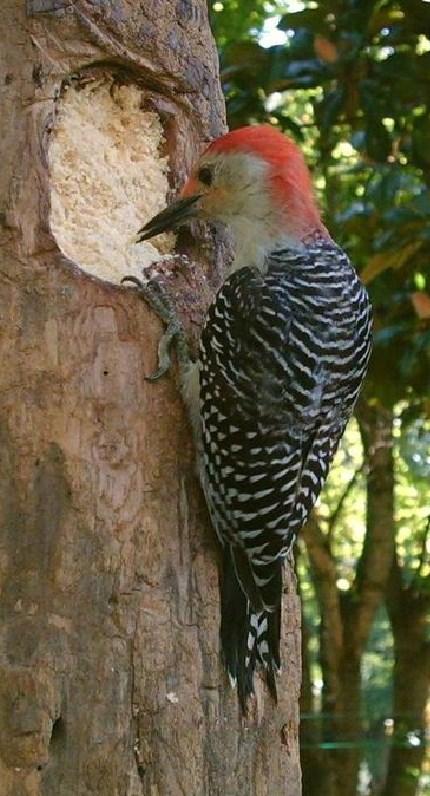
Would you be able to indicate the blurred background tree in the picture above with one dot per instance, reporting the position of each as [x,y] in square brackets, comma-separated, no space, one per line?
[350,82]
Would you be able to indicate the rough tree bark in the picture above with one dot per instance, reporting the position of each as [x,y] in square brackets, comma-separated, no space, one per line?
[347,617]
[110,678]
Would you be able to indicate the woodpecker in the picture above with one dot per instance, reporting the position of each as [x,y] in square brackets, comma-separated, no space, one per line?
[283,353]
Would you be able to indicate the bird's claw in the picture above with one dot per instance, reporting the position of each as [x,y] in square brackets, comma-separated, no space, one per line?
[134,280]
[157,298]
[172,333]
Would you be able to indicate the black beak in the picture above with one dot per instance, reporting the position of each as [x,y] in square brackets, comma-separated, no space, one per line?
[169,219]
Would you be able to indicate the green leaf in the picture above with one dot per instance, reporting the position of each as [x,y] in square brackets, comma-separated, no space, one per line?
[378,141]
[313,19]
[420,141]
[287,123]
[330,107]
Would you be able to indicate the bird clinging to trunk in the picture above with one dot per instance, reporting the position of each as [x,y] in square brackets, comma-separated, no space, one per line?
[283,353]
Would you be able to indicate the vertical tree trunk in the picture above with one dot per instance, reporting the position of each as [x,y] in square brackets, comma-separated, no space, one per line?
[408,608]
[110,679]
[359,606]
[347,617]
[348,726]
[317,777]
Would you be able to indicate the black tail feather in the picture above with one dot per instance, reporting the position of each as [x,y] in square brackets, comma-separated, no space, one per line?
[245,577]
[249,635]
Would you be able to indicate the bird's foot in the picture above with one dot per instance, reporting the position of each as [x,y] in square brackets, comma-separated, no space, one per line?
[153,293]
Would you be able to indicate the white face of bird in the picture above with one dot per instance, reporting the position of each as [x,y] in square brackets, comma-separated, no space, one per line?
[234,190]
[232,187]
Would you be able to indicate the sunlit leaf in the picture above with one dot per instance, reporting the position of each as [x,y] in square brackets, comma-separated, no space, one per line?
[390,259]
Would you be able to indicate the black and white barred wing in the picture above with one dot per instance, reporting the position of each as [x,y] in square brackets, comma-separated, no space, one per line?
[254,435]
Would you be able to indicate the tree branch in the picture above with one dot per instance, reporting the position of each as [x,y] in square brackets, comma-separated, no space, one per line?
[342,500]
[374,565]
[323,571]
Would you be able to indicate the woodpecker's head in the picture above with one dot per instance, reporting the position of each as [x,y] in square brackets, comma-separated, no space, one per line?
[256,181]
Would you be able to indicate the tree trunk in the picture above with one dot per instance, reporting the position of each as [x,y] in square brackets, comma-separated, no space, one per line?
[408,608]
[347,617]
[317,779]
[359,605]
[111,681]
[348,726]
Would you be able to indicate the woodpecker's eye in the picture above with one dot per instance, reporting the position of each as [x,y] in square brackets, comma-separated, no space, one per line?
[205,176]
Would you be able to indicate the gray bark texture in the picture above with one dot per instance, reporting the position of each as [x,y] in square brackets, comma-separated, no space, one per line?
[111,681]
